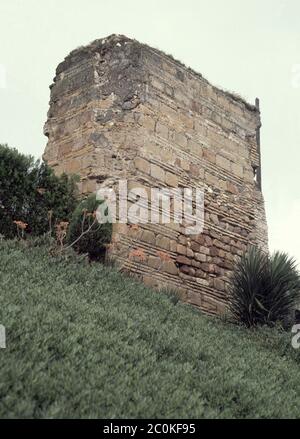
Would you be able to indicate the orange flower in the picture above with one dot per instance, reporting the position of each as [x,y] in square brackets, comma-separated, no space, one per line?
[21,225]
[63,225]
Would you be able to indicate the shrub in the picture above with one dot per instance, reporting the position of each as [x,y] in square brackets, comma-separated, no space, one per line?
[85,234]
[264,289]
[29,190]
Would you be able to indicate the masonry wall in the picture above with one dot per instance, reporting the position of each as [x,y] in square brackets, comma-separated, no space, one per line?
[122,110]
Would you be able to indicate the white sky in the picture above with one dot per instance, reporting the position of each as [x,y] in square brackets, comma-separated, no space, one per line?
[248,46]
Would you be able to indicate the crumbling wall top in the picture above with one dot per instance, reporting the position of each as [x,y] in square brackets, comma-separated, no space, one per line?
[103,45]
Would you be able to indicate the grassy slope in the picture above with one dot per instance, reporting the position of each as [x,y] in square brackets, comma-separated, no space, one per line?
[85,341]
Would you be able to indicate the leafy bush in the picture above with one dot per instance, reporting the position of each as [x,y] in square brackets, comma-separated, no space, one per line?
[29,190]
[264,289]
[85,234]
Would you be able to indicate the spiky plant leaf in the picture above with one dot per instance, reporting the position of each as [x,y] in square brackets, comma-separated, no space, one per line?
[264,289]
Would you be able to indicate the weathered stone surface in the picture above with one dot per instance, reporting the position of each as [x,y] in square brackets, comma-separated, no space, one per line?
[163,242]
[169,267]
[223,162]
[162,130]
[154,262]
[189,253]
[148,236]
[214,251]
[142,165]
[181,249]
[195,246]
[184,269]
[204,250]
[200,257]
[171,179]
[157,172]
[173,246]
[122,110]
[183,260]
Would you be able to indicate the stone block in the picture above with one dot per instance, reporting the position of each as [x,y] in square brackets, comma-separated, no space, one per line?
[214,218]
[209,155]
[219,284]
[171,179]
[142,165]
[223,162]
[200,128]
[200,239]
[169,267]
[237,170]
[180,139]
[149,123]
[208,241]
[200,257]
[214,251]
[195,246]
[154,262]
[232,188]
[157,172]
[181,249]
[182,240]
[162,130]
[148,236]
[185,165]
[194,170]
[212,179]
[173,246]
[183,260]
[163,242]
[189,253]
[195,148]
[184,269]
[201,274]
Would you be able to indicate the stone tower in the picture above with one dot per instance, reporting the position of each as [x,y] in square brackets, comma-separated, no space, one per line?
[122,110]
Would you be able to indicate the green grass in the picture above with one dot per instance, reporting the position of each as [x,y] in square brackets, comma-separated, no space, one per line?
[84,341]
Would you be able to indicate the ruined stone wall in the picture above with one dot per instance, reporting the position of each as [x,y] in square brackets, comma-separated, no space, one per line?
[122,110]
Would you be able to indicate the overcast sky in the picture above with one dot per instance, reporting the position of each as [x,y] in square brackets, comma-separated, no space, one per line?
[248,46]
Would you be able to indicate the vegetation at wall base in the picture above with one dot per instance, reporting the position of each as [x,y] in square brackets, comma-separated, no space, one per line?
[264,289]
[86,341]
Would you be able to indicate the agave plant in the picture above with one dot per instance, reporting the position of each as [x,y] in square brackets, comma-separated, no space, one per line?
[264,289]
